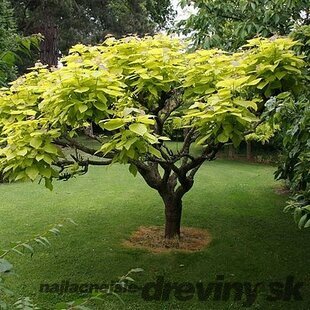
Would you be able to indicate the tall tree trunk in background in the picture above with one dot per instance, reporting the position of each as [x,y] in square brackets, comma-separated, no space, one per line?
[49,47]
[231,151]
[249,150]
[48,28]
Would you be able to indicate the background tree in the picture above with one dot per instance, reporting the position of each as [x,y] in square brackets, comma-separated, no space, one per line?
[228,24]
[292,118]
[7,26]
[141,90]
[65,23]
[14,49]
[7,39]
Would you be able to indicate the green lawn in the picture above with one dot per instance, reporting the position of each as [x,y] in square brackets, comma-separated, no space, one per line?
[253,241]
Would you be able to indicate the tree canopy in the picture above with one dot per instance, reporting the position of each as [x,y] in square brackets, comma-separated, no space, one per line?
[7,26]
[84,21]
[290,119]
[228,24]
[7,39]
[139,91]
[14,49]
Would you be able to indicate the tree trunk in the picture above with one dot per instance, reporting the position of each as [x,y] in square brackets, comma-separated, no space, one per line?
[231,151]
[173,213]
[49,51]
[49,48]
[249,150]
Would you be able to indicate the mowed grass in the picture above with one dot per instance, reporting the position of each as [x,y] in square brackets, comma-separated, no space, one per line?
[253,241]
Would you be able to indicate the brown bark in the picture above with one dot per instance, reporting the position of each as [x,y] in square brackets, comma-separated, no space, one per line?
[231,151]
[49,45]
[249,150]
[173,213]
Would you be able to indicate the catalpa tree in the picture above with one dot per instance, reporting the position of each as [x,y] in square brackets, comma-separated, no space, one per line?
[140,91]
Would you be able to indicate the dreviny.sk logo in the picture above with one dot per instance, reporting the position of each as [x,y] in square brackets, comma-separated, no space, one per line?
[221,290]
[162,289]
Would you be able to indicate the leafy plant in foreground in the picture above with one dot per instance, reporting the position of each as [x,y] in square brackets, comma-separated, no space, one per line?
[26,303]
[6,267]
[86,302]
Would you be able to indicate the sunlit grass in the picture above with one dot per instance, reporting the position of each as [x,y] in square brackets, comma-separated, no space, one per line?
[252,239]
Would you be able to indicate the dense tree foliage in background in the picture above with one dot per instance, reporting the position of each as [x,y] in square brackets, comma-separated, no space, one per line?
[228,24]
[140,90]
[15,50]
[7,38]
[302,34]
[7,26]
[65,23]
[293,119]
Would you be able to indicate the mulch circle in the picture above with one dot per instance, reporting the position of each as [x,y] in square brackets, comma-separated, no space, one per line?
[152,239]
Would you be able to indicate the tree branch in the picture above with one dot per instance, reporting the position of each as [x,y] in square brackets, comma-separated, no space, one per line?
[70,142]
[82,163]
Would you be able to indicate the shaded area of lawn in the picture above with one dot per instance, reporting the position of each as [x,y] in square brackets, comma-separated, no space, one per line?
[252,239]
